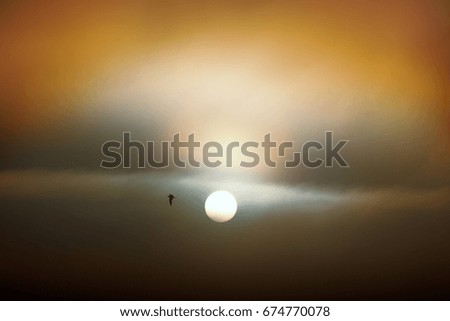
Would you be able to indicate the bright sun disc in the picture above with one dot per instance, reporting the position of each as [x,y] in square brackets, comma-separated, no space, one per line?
[221,206]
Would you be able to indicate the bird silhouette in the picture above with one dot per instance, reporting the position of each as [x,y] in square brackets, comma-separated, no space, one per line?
[171,197]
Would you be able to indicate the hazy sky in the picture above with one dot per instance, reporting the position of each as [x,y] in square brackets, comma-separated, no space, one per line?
[74,74]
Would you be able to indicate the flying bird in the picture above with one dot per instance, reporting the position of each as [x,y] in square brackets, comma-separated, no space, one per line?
[171,197]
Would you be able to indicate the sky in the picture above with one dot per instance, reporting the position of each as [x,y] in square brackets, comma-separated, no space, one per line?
[76,74]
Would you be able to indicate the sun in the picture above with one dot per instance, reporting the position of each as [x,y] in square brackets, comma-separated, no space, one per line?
[221,206]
